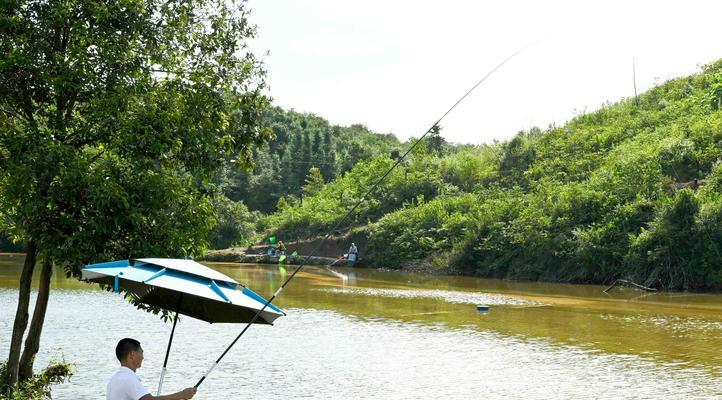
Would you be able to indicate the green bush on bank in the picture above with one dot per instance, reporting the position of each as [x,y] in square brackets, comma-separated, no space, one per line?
[235,224]
[38,387]
[419,230]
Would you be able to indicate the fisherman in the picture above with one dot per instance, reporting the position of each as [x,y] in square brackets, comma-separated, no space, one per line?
[125,384]
[353,252]
[281,247]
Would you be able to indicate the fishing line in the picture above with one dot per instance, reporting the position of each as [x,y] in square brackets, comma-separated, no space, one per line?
[351,211]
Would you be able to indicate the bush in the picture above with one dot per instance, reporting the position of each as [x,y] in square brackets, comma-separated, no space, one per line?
[418,230]
[38,387]
[235,224]
[664,255]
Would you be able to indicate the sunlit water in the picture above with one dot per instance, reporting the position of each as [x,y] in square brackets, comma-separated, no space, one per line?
[399,336]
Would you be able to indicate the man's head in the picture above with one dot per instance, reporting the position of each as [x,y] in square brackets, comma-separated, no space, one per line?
[129,353]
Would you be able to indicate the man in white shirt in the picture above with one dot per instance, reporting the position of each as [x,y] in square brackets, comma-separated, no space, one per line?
[353,252]
[125,384]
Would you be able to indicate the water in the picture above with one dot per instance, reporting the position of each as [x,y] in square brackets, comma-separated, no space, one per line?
[394,335]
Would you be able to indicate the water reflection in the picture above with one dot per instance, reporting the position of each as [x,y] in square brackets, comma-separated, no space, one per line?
[381,334]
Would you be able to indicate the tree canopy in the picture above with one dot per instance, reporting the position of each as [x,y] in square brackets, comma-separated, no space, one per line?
[115,115]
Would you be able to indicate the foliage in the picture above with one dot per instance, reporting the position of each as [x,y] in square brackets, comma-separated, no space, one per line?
[324,209]
[302,142]
[114,118]
[470,169]
[7,245]
[663,254]
[235,224]
[436,143]
[37,388]
[419,229]
[313,183]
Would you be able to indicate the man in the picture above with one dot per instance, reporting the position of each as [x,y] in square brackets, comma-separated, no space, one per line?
[125,384]
[353,252]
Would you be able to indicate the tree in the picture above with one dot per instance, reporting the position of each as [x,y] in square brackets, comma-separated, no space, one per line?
[292,164]
[306,157]
[314,182]
[518,155]
[236,225]
[436,142]
[113,118]
[328,168]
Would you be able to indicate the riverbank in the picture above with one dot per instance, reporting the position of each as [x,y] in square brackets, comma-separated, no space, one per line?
[238,255]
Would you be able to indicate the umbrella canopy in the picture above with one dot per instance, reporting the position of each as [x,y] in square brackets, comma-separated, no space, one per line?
[184,286]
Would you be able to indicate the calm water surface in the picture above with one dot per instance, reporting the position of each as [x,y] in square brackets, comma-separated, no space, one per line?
[397,335]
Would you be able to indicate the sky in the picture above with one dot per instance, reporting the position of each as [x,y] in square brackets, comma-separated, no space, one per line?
[396,66]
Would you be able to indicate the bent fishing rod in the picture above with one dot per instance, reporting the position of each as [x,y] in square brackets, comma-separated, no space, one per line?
[349,213]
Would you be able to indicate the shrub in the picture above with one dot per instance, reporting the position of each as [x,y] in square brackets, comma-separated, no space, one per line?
[38,387]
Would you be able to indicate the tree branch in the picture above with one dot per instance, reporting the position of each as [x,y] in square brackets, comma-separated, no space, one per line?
[12,113]
[96,157]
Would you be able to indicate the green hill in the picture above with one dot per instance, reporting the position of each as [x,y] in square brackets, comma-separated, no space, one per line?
[633,190]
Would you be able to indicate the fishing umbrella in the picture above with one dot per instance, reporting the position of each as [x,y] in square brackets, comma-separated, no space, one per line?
[183,286]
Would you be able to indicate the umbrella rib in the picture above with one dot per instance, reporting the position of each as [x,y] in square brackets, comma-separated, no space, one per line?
[213,285]
[157,274]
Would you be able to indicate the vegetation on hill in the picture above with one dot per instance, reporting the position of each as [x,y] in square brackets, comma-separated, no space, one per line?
[305,153]
[301,142]
[633,190]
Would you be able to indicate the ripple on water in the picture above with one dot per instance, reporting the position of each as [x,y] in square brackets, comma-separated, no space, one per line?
[671,322]
[448,296]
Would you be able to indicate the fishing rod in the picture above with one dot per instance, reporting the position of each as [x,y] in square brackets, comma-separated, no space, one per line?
[350,212]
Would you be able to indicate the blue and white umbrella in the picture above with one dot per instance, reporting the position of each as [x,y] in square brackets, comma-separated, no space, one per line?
[183,286]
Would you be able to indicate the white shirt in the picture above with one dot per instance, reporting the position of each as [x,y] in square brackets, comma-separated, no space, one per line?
[125,385]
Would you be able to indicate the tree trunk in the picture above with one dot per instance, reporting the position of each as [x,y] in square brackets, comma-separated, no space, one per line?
[21,315]
[32,342]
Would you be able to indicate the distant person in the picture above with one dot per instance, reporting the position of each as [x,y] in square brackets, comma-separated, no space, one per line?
[353,252]
[125,384]
[281,247]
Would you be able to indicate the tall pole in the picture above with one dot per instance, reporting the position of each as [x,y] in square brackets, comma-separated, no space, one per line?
[634,82]
[170,341]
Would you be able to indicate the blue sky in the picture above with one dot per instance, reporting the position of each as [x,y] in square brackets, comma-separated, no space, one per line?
[396,66]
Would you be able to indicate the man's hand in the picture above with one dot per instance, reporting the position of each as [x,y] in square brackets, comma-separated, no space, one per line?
[184,394]
[187,393]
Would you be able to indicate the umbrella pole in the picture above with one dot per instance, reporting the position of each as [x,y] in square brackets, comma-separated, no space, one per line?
[170,341]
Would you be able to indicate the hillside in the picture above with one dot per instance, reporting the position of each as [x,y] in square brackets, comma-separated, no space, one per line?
[633,190]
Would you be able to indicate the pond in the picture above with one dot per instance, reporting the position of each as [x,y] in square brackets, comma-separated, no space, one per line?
[389,334]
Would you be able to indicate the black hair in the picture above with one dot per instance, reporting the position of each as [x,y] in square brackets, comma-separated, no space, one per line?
[125,346]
